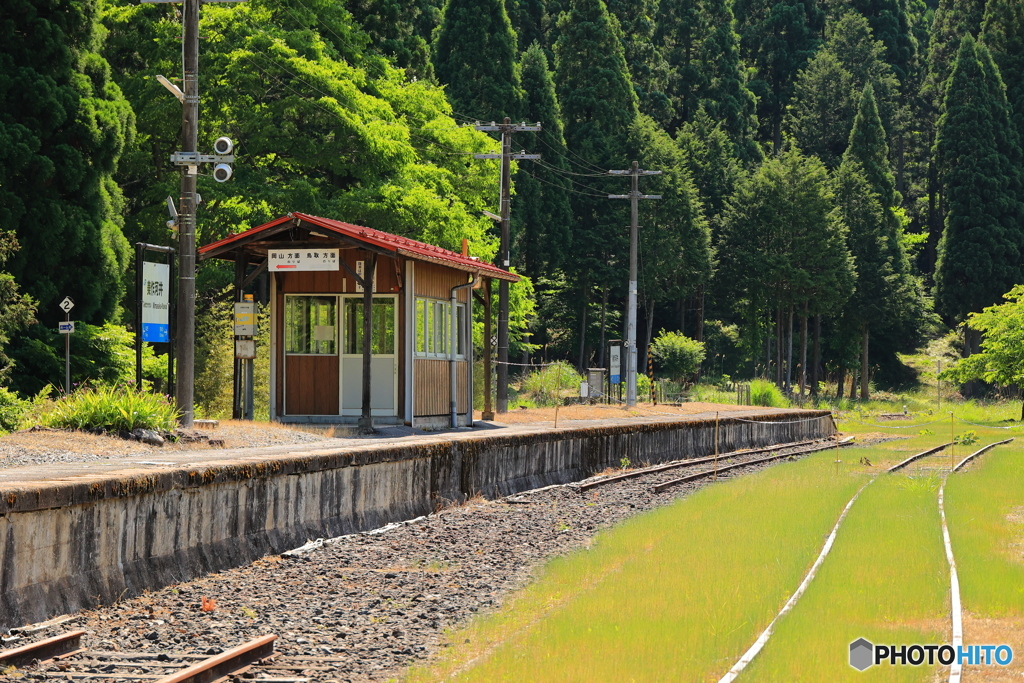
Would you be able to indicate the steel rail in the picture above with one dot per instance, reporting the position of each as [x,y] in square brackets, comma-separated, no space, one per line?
[658,488]
[978,452]
[688,463]
[922,454]
[232,661]
[44,650]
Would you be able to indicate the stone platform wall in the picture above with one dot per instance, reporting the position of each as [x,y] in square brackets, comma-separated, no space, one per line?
[79,542]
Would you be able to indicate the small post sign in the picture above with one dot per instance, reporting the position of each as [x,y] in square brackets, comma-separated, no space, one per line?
[67,328]
[296,259]
[156,304]
[615,365]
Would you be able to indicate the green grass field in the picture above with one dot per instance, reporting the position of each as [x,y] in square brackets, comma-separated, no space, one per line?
[678,594]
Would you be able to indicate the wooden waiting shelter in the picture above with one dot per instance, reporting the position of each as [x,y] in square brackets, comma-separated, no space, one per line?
[419,331]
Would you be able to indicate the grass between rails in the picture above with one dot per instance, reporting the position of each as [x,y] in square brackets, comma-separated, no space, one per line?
[886,580]
[676,594]
[985,509]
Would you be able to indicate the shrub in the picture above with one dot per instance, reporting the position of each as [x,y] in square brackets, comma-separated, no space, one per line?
[113,409]
[12,410]
[764,393]
[677,355]
[549,385]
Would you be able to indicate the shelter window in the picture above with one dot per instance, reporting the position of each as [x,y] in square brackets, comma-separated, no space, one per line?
[382,325]
[433,329]
[310,324]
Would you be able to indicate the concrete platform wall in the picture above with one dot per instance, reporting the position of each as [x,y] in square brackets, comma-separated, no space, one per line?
[76,543]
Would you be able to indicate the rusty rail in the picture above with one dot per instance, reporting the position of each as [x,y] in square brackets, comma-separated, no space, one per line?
[694,461]
[658,488]
[978,452]
[922,454]
[232,661]
[44,650]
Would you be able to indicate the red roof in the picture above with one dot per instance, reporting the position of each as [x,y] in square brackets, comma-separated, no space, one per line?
[384,240]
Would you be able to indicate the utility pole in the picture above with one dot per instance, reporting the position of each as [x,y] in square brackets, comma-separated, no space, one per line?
[188,158]
[635,172]
[506,129]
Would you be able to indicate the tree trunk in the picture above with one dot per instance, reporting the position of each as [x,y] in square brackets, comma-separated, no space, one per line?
[778,346]
[840,383]
[817,356]
[700,314]
[682,315]
[365,418]
[604,310]
[789,351]
[864,375]
[777,133]
[803,351]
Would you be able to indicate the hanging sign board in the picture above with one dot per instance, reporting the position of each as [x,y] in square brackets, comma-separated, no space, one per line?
[156,280]
[615,365]
[284,260]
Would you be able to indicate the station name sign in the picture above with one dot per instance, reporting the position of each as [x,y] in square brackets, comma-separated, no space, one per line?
[283,260]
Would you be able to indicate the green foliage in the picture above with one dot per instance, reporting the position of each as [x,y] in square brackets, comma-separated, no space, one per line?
[324,126]
[1001,359]
[702,49]
[401,30]
[677,355]
[979,157]
[551,385]
[765,393]
[540,208]
[783,243]
[966,438]
[677,242]
[17,310]
[475,58]
[63,128]
[100,355]
[113,409]
[829,88]
[1003,35]
[12,410]
[777,37]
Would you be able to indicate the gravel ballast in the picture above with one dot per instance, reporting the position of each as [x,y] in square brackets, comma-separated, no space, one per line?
[377,601]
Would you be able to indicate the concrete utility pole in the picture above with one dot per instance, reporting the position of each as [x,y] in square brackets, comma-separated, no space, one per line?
[186,323]
[635,172]
[506,129]
[188,158]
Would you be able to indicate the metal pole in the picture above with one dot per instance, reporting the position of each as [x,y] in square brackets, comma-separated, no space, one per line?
[506,180]
[184,389]
[67,356]
[631,310]
[138,314]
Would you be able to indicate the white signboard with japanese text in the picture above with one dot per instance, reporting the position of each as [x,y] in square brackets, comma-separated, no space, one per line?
[156,302]
[295,259]
[615,365]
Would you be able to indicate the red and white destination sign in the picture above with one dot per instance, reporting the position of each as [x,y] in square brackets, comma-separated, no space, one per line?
[283,260]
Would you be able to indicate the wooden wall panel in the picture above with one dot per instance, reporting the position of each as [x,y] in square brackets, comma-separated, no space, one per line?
[431,389]
[311,385]
[437,281]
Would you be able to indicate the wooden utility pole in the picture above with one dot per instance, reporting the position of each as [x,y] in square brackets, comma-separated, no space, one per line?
[506,129]
[635,172]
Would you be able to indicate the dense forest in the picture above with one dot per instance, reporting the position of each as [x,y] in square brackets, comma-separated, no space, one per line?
[841,180]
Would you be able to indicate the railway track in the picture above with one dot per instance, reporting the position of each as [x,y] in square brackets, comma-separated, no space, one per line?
[712,464]
[63,657]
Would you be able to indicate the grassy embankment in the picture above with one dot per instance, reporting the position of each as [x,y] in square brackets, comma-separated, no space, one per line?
[680,593]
